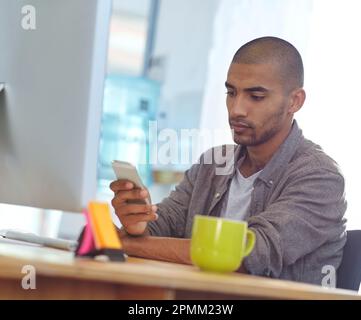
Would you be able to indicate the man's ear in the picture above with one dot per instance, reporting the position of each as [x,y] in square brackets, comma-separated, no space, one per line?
[298,98]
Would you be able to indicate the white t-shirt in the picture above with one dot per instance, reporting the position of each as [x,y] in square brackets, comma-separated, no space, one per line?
[239,197]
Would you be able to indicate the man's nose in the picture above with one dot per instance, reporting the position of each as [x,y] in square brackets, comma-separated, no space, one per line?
[238,108]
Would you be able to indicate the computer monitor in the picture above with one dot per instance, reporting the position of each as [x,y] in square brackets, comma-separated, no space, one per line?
[52,62]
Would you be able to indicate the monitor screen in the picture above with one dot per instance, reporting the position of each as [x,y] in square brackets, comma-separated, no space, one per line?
[52,64]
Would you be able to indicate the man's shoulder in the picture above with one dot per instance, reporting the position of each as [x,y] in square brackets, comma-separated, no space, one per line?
[311,156]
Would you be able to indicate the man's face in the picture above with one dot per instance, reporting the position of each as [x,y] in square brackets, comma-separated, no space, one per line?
[257,103]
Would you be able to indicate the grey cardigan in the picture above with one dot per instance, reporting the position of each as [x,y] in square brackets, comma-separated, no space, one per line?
[297,207]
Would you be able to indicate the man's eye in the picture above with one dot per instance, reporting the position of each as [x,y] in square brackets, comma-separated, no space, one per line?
[230,93]
[257,98]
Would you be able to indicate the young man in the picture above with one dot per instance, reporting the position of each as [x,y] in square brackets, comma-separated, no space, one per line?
[287,189]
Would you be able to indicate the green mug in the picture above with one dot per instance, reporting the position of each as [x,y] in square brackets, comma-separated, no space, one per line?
[220,244]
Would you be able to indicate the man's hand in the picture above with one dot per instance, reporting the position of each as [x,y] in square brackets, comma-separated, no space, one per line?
[157,248]
[133,217]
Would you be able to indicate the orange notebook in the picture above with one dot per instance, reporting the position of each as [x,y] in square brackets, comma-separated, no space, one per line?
[105,235]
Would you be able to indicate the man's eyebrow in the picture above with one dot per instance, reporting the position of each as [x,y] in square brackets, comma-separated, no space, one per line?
[256,89]
[228,85]
[251,89]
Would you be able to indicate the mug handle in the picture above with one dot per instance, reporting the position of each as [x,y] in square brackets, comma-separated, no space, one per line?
[250,242]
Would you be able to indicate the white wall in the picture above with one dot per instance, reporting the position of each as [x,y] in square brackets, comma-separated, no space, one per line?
[138,7]
[184,38]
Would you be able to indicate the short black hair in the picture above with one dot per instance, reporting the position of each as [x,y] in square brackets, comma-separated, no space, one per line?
[276,51]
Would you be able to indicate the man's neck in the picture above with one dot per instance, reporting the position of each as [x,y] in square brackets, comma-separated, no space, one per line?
[258,156]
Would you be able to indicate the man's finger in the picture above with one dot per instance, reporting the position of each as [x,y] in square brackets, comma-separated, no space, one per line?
[130,209]
[119,185]
[140,217]
[123,196]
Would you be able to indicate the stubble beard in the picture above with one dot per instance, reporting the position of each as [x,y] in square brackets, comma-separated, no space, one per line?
[270,131]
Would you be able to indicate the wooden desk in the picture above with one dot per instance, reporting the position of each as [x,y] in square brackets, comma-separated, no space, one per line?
[60,276]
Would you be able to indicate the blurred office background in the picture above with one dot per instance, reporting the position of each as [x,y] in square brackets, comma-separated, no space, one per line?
[167,62]
[180,50]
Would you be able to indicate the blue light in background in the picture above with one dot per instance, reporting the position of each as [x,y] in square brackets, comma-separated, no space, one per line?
[129,104]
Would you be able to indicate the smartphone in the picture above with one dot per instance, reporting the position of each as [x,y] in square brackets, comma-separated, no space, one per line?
[126,171]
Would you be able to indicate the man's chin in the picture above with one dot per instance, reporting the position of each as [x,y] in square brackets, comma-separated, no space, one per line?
[243,141]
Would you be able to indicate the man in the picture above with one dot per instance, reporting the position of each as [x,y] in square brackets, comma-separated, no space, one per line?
[287,189]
